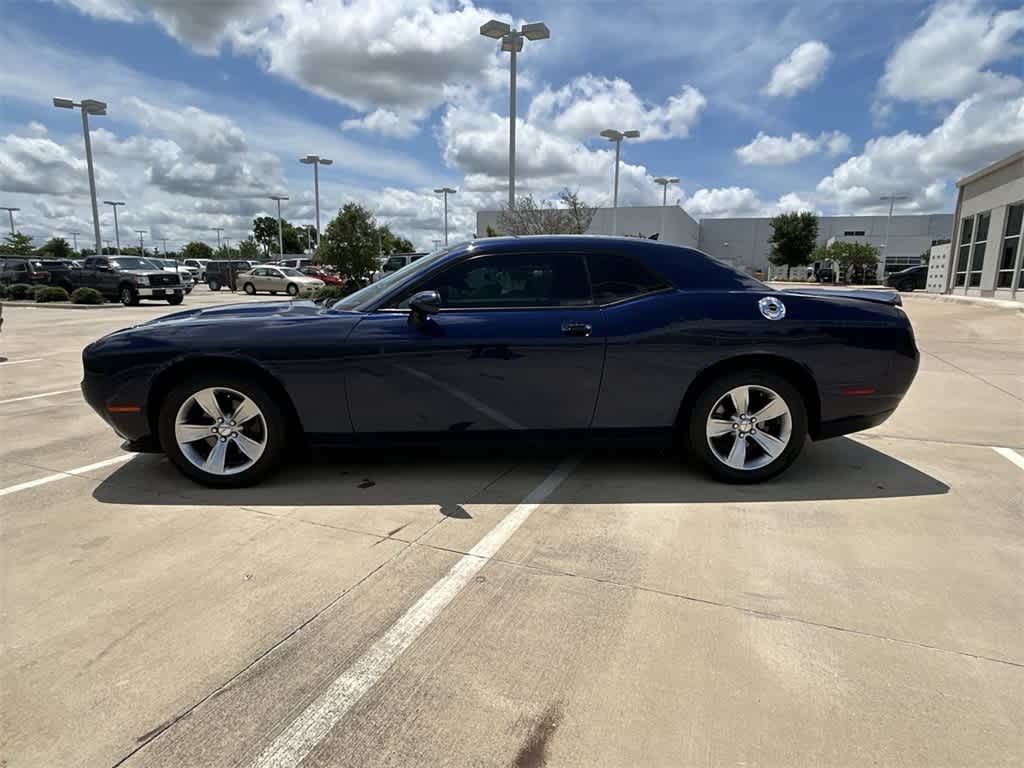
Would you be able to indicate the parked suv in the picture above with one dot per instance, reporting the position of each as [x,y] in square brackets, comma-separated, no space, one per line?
[224,273]
[18,269]
[908,279]
[60,272]
[198,267]
[395,262]
[128,279]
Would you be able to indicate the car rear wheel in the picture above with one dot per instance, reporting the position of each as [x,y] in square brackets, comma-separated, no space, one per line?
[748,426]
[214,284]
[249,288]
[293,289]
[906,286]
[175,300]
[222,430]
[128,295]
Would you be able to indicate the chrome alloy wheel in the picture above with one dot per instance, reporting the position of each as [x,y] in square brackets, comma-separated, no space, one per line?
[220,431]
[749,427]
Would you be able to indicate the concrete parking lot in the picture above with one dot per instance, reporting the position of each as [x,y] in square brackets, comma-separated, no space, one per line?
[561,605]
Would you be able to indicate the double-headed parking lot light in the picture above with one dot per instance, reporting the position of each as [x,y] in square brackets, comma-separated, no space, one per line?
[512,42]
[617,136]
[280,228]
[445,191]
[10,213]
[664,181]
[88,107]
[117,233]
[316,161]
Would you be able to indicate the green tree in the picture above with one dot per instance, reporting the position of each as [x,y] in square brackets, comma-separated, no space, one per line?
[226,252]
[392,243]
[857,260]
[264,232]
[293,237]
[529,216]
[17,244]
[248,250]
[491,231]
[56,248]
[197,250]
[350,242]
[793,239]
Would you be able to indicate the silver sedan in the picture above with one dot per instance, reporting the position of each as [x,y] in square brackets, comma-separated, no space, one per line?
[277,280]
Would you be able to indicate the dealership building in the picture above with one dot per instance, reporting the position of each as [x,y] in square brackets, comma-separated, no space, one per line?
[743,242]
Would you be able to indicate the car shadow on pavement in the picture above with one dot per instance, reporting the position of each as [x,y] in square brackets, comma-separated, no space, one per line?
[610,472]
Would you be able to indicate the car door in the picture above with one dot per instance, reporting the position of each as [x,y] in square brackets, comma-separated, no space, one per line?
[272,280]
[515,346]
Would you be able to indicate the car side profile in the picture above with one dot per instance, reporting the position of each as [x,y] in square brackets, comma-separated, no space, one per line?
[908,279]
[530,335]
[271,279]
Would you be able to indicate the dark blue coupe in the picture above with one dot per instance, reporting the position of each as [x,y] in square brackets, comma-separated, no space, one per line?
[500,335]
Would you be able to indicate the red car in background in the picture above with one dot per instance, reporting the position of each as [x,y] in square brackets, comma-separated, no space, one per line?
[320,274]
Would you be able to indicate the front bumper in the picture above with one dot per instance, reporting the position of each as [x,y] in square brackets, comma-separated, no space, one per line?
[160,293]
[103,392]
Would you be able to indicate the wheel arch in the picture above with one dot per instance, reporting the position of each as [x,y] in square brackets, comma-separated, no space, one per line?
[796,373]
[168,377]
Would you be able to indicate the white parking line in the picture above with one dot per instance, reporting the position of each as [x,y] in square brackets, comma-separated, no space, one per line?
[293,745]
[41,394]
[76,472]
[19,362]
[1011,455]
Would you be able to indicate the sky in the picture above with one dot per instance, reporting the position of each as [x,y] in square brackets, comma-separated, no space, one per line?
[758,107]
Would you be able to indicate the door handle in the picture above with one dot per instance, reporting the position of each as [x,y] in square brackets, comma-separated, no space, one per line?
[575,329]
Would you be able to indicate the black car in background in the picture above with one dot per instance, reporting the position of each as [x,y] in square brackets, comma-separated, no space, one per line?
[224,273]
[908,279]
[22,269]
[61,272]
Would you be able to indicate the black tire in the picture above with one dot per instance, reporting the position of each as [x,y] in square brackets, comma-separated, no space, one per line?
[293,289]
[273,417]
[175,300]
[249,288]
[717,389]
[907,286]
[273,293]
[214,284]
[128,296]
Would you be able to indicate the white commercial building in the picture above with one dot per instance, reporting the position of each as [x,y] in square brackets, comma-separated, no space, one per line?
[987,252]
[743,242]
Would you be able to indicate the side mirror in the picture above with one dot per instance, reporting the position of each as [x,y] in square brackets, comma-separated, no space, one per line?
[425,303]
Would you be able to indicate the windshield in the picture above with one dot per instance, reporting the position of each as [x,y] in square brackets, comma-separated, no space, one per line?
[290,272]
[364,297]
[128,262]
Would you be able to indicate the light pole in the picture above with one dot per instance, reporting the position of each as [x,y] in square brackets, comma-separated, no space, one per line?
[316,161]
[664,181]
[280,230]
[218,230]
[892,201]
[88,107]
[10,212]
[617,136]
[512,41]
[142,248]
[117,234]
[164,241]
[445,191]
[74,236]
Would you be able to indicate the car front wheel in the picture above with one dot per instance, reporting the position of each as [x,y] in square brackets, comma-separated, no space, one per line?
[748,426]
[293,289]
[222,430]
[129,296]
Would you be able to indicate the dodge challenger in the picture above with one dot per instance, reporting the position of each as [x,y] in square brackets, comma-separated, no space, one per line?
[542,335]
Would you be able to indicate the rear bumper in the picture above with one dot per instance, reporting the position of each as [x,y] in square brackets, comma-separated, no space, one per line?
[850,424]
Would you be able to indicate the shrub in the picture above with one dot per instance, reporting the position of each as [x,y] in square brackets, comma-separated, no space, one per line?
[330,292]
[87,296]
[19,291]
[48,293]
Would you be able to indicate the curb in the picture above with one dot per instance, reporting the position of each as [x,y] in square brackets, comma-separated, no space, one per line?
[977,301]
[59,305]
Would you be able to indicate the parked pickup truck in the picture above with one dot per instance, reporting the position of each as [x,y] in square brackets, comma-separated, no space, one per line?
[128,279]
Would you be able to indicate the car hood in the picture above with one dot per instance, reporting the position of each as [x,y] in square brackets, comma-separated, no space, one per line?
[230,312]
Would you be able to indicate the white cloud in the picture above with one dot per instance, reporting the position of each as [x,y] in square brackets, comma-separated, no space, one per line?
[34,165]
[945,58]
[587,105]
[384,122]
[800,70]
[724,202]
[778,150]
[979,131]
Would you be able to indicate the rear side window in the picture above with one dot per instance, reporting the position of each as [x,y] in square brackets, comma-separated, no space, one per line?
[614,278]
[511,280]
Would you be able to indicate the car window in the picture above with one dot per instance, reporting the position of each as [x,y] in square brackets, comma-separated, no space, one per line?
[290,272]
[614,278]
[510,280]
[133,263]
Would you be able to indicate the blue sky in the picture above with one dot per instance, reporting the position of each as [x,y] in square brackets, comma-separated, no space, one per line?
[756,106]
